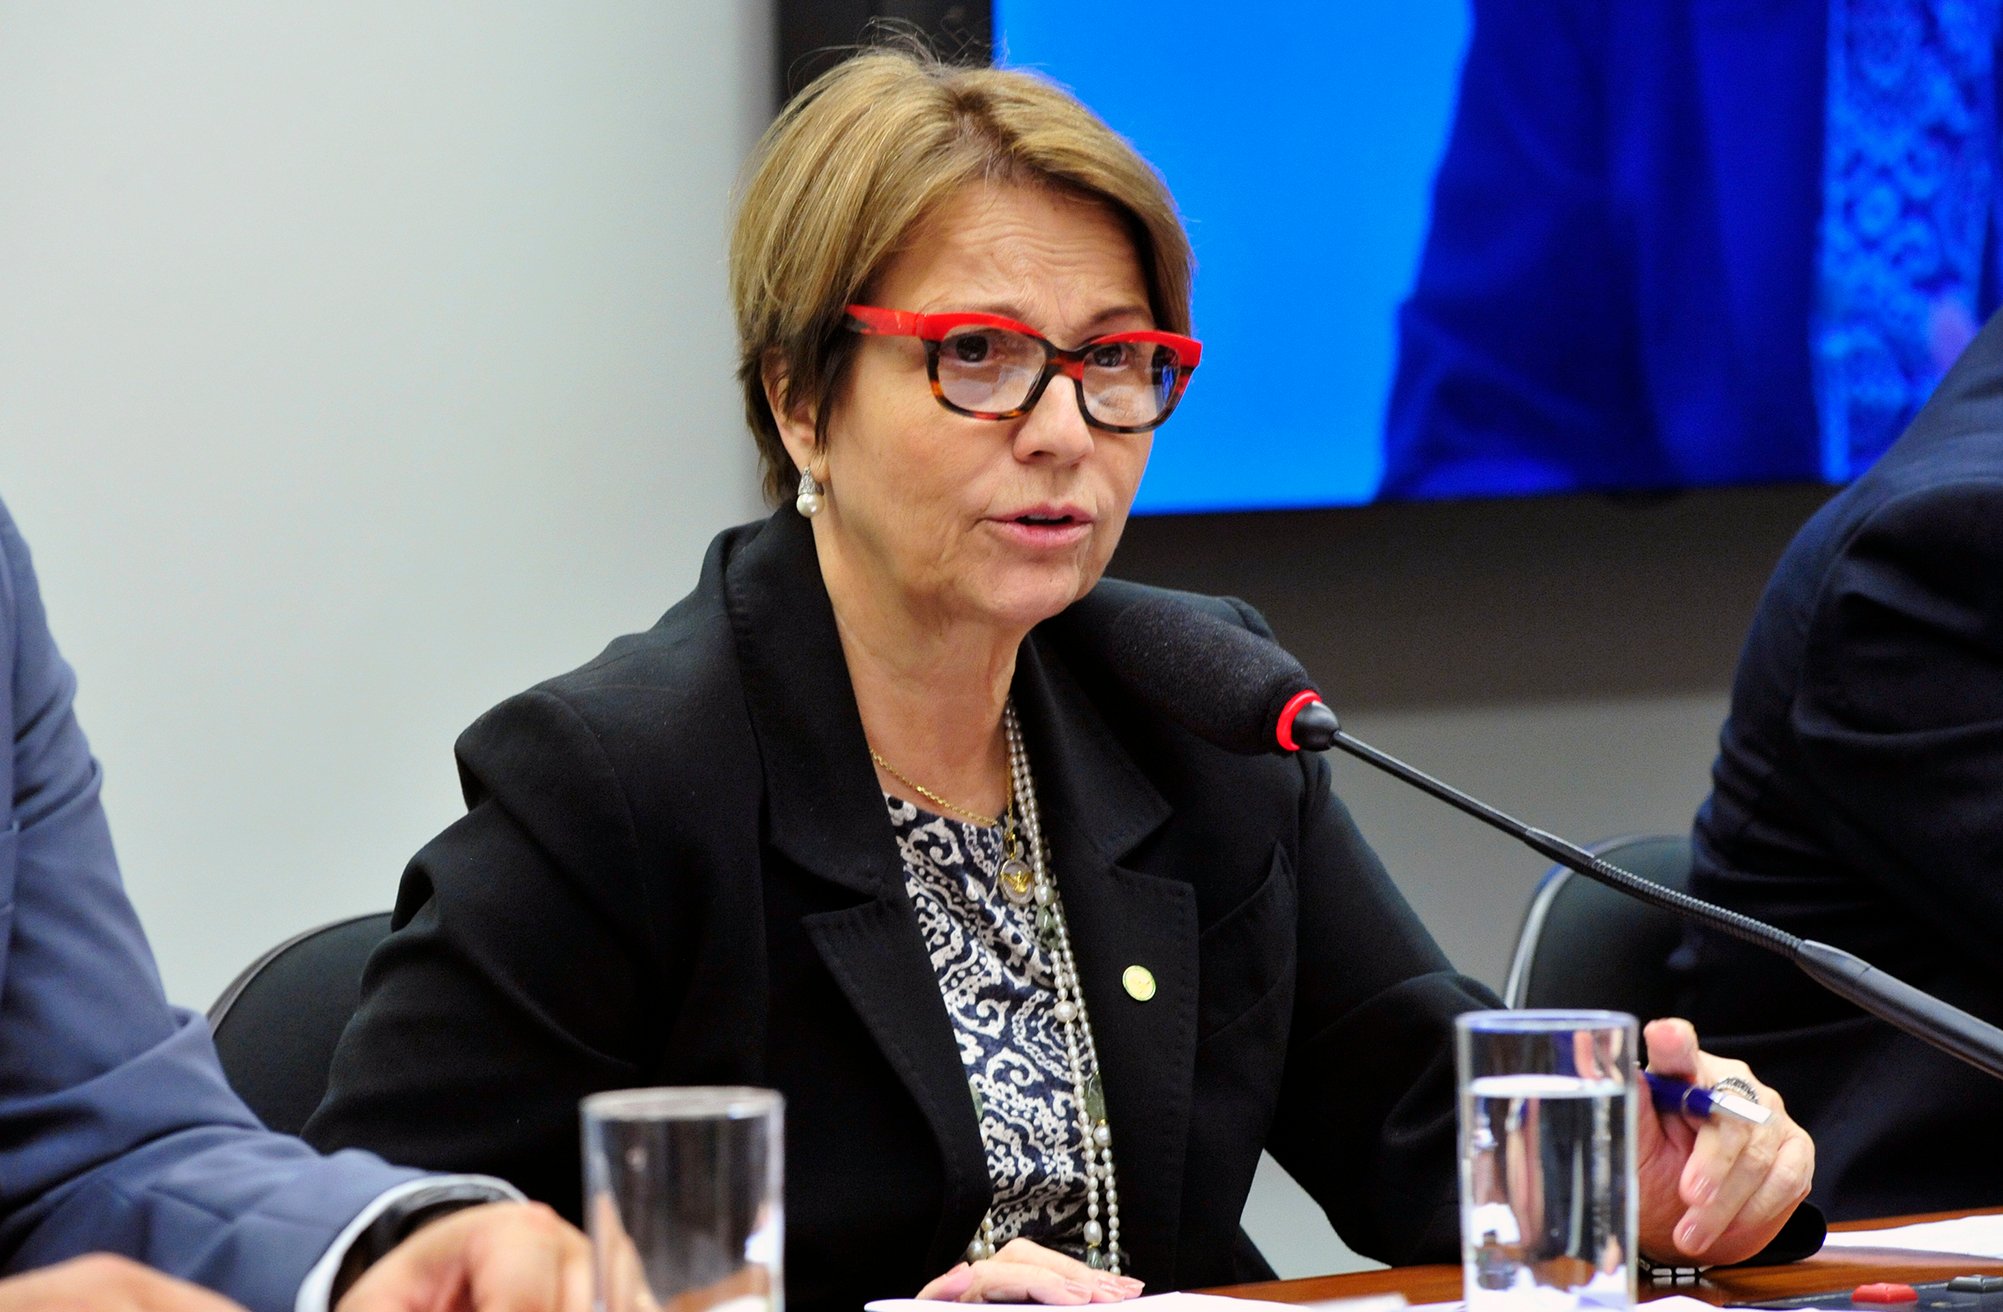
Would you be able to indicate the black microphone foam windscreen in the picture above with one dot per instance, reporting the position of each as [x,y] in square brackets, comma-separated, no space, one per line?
[1222,682]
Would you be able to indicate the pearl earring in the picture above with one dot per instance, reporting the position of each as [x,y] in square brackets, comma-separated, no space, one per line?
[808,500]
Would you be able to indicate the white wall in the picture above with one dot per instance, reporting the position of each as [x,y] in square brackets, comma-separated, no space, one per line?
[360,364]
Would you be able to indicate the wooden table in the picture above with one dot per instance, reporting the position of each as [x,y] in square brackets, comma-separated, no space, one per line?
[1833,1269]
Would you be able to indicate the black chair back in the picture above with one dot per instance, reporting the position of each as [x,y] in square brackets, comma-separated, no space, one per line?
[1585,945]
[277,1023]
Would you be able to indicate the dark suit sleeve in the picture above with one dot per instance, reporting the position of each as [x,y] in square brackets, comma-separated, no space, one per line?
[1900,715]
[512,982]
[1517,360]
[1366,1114]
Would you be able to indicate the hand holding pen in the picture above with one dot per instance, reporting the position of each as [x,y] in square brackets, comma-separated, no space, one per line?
[1714,1188]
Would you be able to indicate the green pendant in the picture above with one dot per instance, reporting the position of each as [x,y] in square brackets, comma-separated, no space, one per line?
[1095,1258]
[1095,1100]
[1046,926]
[980,1107]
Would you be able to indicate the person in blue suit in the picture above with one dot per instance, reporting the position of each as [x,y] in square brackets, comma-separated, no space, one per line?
[1857,799]
[119,1136]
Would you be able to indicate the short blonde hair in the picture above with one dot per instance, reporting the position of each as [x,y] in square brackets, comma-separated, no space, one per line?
[865,154]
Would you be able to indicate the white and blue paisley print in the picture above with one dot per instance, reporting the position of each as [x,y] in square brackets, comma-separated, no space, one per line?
[998,982]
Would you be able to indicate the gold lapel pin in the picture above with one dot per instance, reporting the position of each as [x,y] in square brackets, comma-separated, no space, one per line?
[1139,982]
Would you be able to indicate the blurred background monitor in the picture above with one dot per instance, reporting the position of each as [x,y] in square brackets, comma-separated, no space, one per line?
[1302,141]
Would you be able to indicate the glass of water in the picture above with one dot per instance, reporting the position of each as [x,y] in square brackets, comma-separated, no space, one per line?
[1547,1127]
[683,1197]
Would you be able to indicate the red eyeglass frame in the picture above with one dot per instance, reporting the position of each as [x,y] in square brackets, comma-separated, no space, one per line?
[931,329]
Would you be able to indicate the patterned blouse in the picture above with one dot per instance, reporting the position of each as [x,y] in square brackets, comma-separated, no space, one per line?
[998,982]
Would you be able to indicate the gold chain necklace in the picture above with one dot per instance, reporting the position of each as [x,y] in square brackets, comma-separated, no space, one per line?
[984,821]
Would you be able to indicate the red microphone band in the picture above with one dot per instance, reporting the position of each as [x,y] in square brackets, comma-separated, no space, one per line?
[1299,702]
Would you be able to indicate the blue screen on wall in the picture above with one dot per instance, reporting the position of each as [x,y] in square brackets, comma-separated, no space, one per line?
[1545,247]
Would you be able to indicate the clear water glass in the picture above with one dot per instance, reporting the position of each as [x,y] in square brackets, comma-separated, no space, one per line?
[1547,1169]
[683,1199]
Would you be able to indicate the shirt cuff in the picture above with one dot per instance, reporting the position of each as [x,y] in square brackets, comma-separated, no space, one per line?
[318,1287]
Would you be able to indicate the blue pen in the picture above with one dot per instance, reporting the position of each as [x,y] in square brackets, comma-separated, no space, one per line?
[1673,1095]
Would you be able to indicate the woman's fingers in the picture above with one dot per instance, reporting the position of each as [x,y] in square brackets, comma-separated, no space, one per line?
[950,1286]
[999,1280]
[1026,1272]
[1742,1180]
[1728,1163]
[1785,1186]
[1737,1182]
[1672,1047]
[1105,1286]
[1788,1184]
[1727,1146]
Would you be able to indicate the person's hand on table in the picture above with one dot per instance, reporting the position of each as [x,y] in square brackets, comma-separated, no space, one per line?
[1714,1191]
[1025,1272]
[105,1283]
[498,1257]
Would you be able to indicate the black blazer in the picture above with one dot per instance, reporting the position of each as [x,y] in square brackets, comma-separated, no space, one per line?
[1858,799]
[676,868]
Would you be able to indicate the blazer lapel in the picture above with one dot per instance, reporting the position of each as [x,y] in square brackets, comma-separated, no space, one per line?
[876,952]
[1097,807]
[827,817]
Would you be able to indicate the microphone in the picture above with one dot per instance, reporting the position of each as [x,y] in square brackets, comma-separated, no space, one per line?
[1246,694]
[1221,681]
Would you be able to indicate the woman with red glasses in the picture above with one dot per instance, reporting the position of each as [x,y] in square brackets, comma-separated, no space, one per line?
[1038,974]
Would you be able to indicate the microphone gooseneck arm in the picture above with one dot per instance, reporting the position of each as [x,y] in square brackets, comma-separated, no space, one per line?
[1885,996]
[1244,693]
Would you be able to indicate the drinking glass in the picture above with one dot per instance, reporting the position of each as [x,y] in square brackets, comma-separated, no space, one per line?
[1547,1171]
[682,1199]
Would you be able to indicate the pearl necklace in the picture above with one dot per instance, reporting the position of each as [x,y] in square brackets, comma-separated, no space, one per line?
[1102,1194]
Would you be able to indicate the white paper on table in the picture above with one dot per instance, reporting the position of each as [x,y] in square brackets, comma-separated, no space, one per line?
[1161,1303]
[1964,1236]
